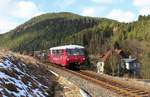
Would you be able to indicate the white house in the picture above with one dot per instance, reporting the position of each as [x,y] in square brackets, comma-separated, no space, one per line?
[100,65]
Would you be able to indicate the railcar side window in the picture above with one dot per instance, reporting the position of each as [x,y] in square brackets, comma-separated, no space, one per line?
[53,52]
[68,51]
[61,52]
[57,52]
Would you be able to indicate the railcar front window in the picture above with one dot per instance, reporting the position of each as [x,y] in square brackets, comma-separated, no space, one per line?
[81,51]
[69,51]
[75,52]
[72,51]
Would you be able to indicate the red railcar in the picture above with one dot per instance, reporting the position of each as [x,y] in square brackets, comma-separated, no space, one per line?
[67,55]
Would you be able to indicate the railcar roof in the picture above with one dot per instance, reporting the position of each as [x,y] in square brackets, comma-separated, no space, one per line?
[67,47]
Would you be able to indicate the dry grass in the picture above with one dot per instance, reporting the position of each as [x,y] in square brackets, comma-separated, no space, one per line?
[2,53]
[25,58]
[70,90]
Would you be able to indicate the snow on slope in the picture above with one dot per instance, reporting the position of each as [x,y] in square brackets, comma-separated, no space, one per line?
[16,79]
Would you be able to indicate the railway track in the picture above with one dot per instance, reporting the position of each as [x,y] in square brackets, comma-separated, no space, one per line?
[119,88]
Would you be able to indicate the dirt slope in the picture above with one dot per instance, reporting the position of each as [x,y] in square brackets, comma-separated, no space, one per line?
[22,76]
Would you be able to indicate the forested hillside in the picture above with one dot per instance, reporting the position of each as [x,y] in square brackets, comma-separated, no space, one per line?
[45,31]
[54,29]
[96,34]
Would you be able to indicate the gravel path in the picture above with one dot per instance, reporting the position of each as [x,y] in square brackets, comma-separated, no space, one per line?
[93,89]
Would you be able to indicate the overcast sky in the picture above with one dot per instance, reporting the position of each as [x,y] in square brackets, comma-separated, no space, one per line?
[16,12]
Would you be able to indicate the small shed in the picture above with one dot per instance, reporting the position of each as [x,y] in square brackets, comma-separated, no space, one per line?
[104,58]
[131,64]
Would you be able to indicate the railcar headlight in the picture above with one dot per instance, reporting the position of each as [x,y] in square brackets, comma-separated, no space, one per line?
[67,59]
[83,59]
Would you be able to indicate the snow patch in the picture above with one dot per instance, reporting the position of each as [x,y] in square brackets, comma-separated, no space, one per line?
[11,81]
[84,94]
[54,73]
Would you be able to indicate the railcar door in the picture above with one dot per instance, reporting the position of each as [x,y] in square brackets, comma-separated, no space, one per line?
[60,56]
[53,55]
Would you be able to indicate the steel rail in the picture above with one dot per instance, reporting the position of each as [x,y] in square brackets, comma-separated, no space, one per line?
[113,85]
